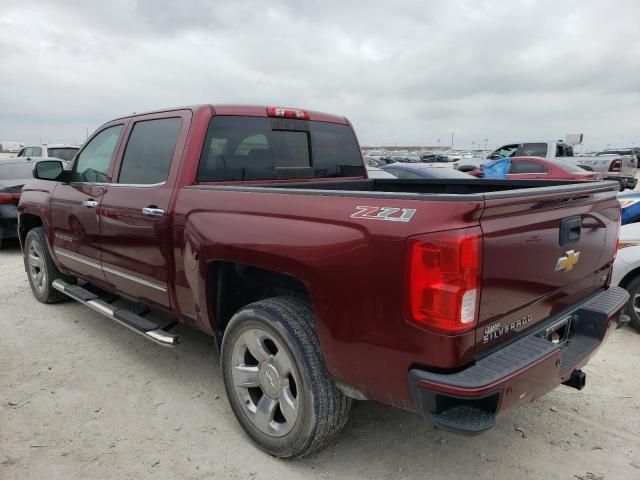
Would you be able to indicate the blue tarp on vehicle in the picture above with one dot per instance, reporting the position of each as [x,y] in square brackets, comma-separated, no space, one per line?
[496,169]
[630,203]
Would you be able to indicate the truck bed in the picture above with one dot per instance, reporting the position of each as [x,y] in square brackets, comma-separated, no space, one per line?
[441,189]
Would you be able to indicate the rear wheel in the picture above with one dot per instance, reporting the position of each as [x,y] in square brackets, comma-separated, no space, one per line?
[633,305]
[41,270]
[276,380]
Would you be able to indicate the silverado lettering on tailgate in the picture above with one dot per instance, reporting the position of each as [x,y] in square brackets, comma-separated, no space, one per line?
[392,214]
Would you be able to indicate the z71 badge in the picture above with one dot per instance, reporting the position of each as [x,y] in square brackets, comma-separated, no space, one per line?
[391,214]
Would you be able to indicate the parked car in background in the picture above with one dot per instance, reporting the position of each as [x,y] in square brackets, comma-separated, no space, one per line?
[630,205]
[374,162]
[620,151]
[60,151]
[626,269]
[10,147]
[534,168]
[434,158]
[14,173]
[621,168]
[425,170]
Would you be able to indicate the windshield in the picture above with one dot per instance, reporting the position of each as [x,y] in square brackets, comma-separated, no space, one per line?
[16,171]
[63,153]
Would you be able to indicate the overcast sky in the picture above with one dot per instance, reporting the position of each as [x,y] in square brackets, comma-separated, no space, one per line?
[404,72]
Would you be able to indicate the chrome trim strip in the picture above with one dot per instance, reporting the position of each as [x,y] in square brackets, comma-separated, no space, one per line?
[113,184]
[79,258]
[141,281]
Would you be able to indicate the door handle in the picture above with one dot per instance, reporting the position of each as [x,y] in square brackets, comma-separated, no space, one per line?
[89,203]
[153,212]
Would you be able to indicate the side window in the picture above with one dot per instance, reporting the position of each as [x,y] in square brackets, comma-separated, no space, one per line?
[28,152]
[149,151]
[21,153]
[534,150]
[525,166]
[92,164]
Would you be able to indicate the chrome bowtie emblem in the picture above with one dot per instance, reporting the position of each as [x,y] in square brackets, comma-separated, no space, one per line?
[568,261]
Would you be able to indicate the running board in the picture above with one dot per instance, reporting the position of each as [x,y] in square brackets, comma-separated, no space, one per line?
[145,327]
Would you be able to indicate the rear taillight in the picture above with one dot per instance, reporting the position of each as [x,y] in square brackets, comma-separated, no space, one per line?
[287,113]
[616,165]
[442,280]
[9,198]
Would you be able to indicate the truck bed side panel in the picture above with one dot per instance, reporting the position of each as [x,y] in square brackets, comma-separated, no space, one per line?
[352,268]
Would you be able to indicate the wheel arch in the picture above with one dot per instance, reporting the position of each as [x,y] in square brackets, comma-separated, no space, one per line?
[626,280]
[27,221]
[231,285]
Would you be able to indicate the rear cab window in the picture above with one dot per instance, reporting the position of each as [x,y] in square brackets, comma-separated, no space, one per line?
[240,148]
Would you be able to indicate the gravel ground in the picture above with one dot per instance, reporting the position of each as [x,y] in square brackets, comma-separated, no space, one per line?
[82,397]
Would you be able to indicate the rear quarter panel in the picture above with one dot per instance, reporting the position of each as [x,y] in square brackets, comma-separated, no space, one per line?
[351,267]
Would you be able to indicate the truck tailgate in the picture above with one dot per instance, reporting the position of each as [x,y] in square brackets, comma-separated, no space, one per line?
[541,254]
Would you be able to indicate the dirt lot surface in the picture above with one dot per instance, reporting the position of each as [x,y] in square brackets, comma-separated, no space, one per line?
[82,397]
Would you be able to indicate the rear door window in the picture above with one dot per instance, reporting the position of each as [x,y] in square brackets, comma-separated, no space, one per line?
[527,166]
[259,148]
[149,151]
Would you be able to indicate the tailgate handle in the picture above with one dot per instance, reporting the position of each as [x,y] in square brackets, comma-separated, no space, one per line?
[570,230]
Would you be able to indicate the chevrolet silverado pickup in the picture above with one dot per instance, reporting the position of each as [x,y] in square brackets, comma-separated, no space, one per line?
[456,298]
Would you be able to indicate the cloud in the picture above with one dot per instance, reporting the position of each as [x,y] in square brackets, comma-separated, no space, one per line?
[403,72]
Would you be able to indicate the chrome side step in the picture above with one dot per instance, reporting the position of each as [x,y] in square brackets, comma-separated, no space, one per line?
[145,327]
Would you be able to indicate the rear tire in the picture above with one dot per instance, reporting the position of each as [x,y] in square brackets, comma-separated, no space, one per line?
[41,271]
[633,305]
[276,380]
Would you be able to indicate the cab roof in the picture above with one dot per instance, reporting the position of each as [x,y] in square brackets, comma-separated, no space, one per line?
[246,110]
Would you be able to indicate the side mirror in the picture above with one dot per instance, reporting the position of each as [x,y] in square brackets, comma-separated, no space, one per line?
[49,170]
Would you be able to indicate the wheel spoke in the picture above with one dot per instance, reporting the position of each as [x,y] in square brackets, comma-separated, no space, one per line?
[288,405]
[35,261]
[245,376]
[256,345]
[264,412]
[282,362]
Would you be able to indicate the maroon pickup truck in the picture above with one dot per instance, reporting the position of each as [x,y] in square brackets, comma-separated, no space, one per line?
[458,299]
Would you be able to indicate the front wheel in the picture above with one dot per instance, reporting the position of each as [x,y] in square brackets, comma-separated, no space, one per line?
[276,379]
[633,305]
